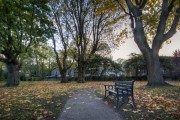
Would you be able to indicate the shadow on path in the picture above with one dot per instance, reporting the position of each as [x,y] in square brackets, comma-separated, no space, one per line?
[85,105]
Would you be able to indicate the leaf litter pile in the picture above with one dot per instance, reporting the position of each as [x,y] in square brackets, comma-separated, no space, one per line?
[160,103]
[46,99]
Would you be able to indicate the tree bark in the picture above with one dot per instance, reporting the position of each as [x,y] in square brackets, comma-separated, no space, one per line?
[81,73]
[63,76]
[38,74]
[81,76]
[13,74]
[64,79]
[151,54]
[154,74]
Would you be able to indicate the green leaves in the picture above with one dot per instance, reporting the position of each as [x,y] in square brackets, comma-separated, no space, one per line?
[24,22]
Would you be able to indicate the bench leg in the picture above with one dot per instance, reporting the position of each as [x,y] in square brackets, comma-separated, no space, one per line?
[105,95]
[117,104]
[134,104]
[125,100]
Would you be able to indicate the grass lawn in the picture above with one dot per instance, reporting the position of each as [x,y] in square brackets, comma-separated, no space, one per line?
[45,100]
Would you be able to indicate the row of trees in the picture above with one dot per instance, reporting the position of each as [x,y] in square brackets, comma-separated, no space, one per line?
[98,67]
[79,29]
[137,63]
[75,27]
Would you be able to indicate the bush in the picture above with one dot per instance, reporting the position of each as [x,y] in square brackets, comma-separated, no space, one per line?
[101,78]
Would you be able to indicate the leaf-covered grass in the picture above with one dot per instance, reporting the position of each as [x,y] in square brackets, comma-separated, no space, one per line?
[37,100]
[45,100]
[162,103]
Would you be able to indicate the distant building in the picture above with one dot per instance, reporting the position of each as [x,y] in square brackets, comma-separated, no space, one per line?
[56,74]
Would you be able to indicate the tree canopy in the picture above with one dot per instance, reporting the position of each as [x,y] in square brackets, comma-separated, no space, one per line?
[85,28]
[23,24]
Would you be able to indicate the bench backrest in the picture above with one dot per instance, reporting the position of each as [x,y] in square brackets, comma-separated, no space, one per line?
[126,84]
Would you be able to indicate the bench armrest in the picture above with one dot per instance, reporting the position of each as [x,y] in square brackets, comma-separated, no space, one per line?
[109,87]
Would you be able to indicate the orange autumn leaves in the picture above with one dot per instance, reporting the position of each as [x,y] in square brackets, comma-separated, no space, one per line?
[37,100]
[153,103]
[45,100]
[162,101]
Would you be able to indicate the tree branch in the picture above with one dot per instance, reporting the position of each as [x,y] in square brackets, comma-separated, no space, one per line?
[56,53]
[122,7]
[172,31]
[158,39]
[143,4]
[132,20]
[132,8]
[171,5]
[160,36]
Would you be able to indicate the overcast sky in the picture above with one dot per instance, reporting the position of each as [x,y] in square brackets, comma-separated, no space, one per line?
[130,46]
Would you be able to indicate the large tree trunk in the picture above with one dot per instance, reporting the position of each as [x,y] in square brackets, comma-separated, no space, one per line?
[151,53]
[13,74]
[81,73]
[81,76]
[38,74]
[154,74]
[42,69]
[63,77]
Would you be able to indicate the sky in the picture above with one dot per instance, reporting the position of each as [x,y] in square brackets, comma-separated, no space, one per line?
[124,50]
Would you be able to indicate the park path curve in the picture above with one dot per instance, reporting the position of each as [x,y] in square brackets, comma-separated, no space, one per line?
[85,105]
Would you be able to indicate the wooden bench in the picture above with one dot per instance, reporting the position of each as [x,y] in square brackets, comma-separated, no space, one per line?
[123,89]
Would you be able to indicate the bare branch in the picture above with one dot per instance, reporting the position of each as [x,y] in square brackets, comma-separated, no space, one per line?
[143,4]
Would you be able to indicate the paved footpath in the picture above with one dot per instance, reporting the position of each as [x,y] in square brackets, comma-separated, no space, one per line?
[85,105]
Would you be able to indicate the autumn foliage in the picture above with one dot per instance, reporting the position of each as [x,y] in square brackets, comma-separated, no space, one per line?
[45,100]
[37,100]
[160,103]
